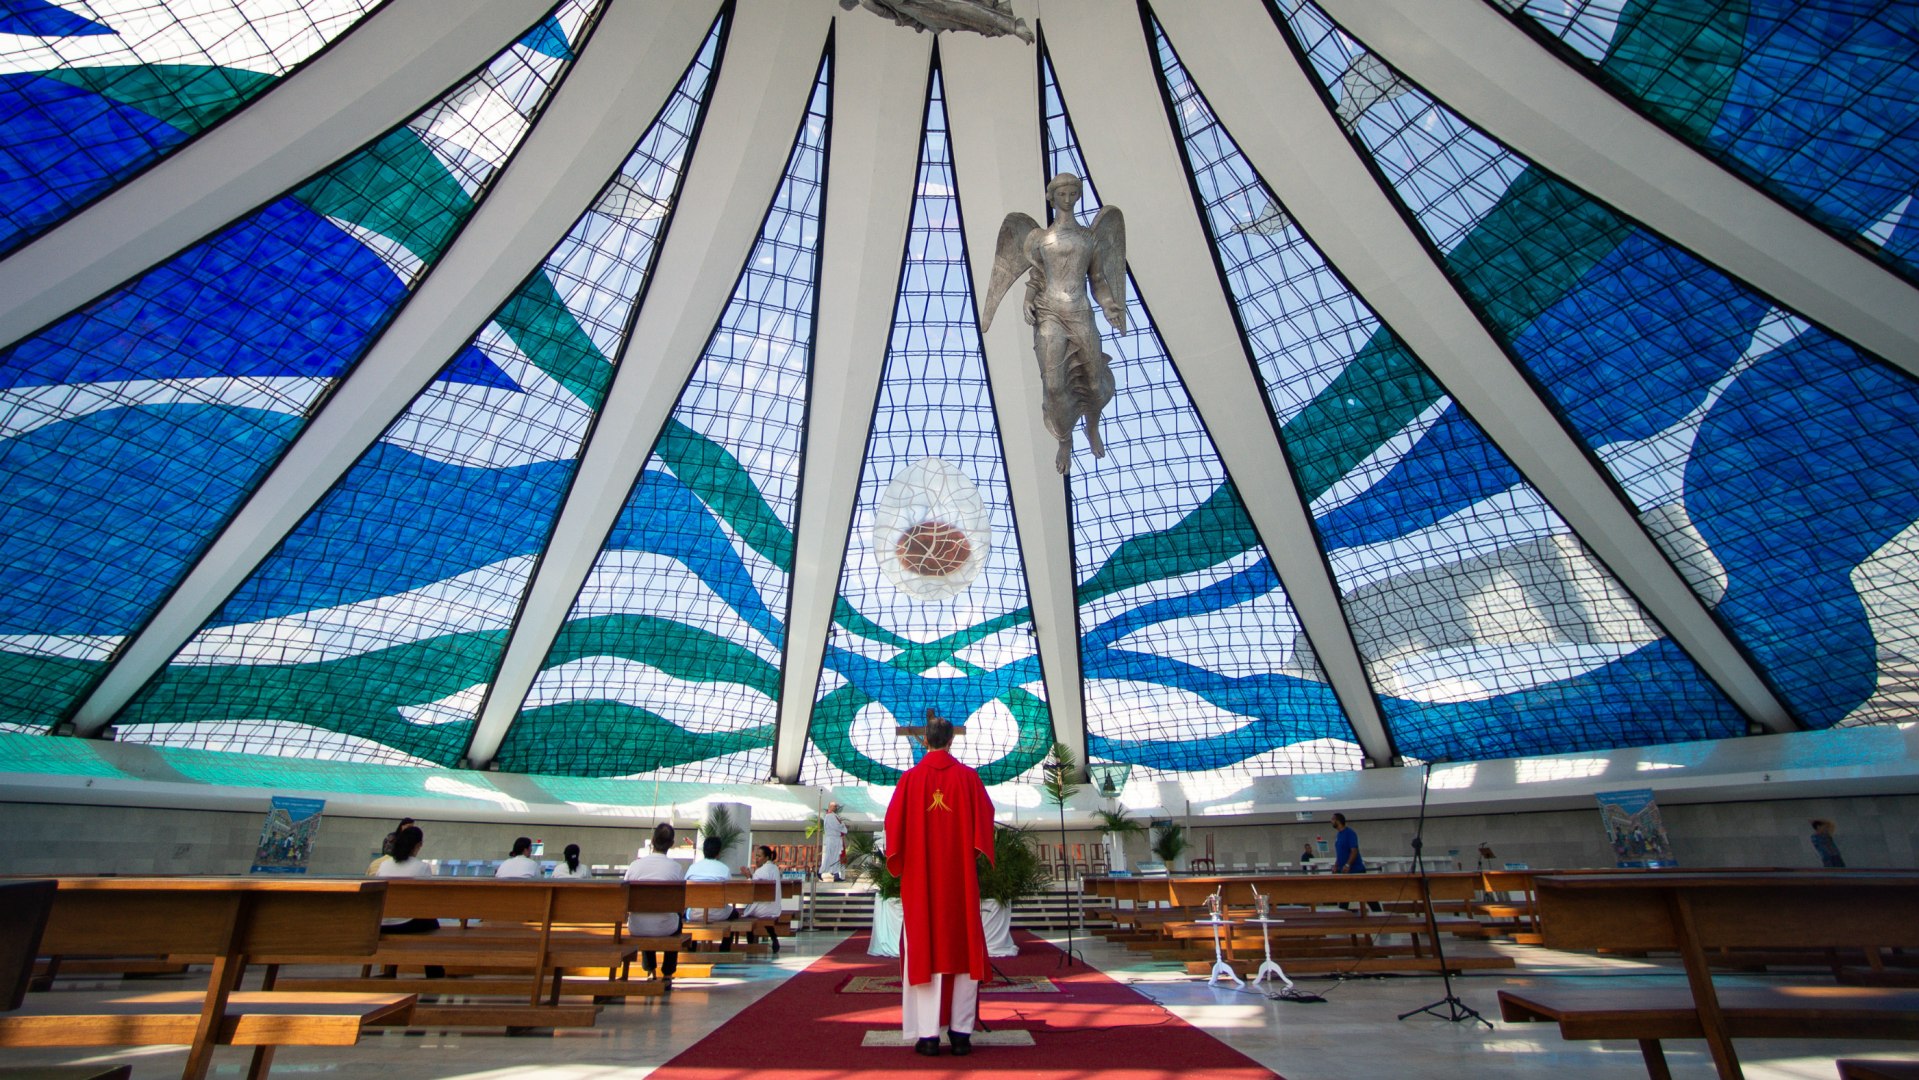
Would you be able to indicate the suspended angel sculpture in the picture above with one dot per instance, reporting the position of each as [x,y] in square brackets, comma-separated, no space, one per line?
[1076,377]
[993,18]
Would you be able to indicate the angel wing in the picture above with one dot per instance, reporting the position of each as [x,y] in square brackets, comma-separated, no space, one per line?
[1009,262]
[1108,269]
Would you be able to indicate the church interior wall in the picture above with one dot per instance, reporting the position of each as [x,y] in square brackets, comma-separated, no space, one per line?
[1874,831]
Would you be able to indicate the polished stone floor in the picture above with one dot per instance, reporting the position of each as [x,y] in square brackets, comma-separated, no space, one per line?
[1352,1036]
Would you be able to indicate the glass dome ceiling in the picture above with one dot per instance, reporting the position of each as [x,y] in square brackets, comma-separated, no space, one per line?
[1553,392]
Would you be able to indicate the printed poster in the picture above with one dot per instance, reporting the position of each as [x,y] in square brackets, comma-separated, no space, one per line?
[1635,830]
[286,840]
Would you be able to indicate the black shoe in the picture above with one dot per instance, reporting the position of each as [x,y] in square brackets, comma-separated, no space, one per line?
[927,1048]
[962,1044]
[776,944]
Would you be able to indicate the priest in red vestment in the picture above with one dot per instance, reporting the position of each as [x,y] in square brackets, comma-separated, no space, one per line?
[938,818]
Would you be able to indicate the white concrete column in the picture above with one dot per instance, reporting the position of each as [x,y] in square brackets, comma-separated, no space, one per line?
[874,158]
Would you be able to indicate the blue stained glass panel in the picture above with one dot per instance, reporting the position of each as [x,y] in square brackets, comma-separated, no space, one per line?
[132,429]
[89,100]
[1814,101]
[668,663]
[933,610]
[1667,369]
[1194,659]
[404,582]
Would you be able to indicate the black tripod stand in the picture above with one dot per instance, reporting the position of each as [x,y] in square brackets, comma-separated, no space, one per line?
[1448,1008]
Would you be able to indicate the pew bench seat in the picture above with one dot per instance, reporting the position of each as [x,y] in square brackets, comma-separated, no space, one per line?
[268,1018]
[1651,1015]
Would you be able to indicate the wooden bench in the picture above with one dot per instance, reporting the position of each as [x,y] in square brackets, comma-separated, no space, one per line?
[735,894]
[1691,913]
[1331,940]
[526,934]
[225,920]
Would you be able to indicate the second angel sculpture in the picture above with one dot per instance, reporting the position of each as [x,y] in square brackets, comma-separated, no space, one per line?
[1064,258]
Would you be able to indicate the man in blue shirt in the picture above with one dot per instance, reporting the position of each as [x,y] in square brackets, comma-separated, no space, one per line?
[1346,857]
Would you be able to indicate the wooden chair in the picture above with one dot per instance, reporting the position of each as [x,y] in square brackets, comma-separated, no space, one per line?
[1080,866]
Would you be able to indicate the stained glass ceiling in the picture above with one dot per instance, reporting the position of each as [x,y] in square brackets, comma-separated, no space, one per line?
[1456,458]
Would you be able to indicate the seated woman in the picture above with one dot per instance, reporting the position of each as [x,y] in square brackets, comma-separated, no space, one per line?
[571,867]
[520,862]
[764,869]
[657,865]
[406,863]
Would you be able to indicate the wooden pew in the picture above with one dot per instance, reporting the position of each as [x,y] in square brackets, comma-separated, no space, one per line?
[1312,941]
[736,894]
[528,932]
[226,920]
[1691,913]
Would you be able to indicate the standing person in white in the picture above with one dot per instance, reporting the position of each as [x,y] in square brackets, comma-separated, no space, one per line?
[657,865]
[765,868]
[520,862]
[832,844]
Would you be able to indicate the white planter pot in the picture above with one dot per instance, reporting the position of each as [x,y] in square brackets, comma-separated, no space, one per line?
[998,922]
[889,919]
[1115,852]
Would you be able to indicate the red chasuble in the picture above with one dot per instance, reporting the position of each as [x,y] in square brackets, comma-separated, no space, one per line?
[939,816]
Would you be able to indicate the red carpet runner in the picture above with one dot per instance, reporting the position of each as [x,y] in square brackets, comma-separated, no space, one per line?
[1094,1027]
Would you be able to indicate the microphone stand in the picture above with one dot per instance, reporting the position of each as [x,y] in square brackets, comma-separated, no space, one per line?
[1454,1010]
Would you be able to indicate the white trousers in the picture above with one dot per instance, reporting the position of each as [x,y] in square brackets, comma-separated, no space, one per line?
[921,1004]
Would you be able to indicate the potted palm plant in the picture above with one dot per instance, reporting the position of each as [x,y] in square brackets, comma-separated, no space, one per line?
[1015,874]
[1170,843]
[719,824]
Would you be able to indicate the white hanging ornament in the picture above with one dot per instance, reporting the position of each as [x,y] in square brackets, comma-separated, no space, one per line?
[931,531]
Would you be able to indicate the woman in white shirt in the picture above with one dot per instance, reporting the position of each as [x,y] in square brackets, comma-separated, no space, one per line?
[406,863]
[520,862]
[657,866]
[571,868]
[765,869]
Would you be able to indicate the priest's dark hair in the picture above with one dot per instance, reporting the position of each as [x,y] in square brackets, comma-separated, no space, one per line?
[662,836]
[939,732]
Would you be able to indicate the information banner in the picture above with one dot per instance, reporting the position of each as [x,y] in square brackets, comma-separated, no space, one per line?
[1635,830]
[286,840]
